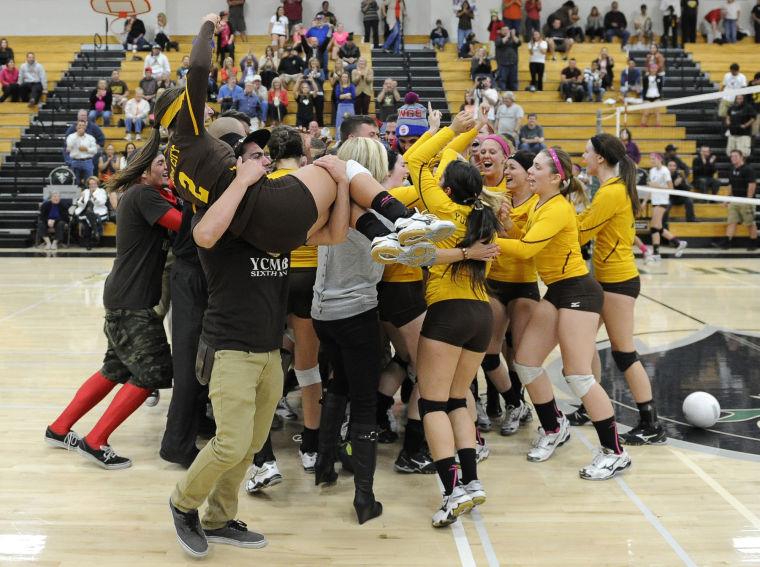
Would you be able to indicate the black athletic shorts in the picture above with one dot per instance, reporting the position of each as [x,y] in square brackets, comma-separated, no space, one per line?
[506,292]
[630,287]
[275,215]
[582,293]
[465,323]
[401,302]
[301,291]
[138,352]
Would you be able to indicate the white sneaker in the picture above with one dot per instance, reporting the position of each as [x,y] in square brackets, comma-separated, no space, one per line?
[422,227]
[544,446]
[513,417]
[569,99]
[455,504]
[652,259]
[285,411]
[476,492]
[647,254]
[605,465]
[418,254]
[128,137]
[48,246]
[308,460]
[385,249]
[54,246]
[138,137]
[152,399]
[484,422]
[262,477]
[681,247]
[481,451]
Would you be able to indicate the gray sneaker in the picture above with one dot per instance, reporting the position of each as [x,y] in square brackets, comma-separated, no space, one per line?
[236,533]
[513,417]
[190,535]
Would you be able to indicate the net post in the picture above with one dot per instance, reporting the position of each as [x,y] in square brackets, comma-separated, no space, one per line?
[617,121]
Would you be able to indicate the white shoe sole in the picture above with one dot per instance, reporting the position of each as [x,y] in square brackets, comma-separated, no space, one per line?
[557,446]
[235,542]
[114,467]
[439,231]
[182,544]
[613,475]
[385,254]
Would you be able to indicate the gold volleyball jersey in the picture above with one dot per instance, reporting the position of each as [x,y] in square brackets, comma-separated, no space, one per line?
[508,268]
[303,256]
[551,237]
[610,220]
[440,285]
[400,272]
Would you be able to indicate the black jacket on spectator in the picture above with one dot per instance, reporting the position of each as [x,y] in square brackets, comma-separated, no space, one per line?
[478,68]
[291,65]
[506,50]
[47,206]
[738,115]
[615,17]
[703,169]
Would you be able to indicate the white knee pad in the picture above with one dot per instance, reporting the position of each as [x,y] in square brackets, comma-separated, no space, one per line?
[580,384]
[308,377]
[527,374]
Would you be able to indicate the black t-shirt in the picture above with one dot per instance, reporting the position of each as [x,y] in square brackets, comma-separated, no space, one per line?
[247,295]
[291,65]
[755,12]
[739,115]
[141,246]
[184,246]
[118,87]
[740,178]
[571,74]
[703,169]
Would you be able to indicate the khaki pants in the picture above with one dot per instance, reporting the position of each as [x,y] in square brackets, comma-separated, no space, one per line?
[741,143]
[244,390]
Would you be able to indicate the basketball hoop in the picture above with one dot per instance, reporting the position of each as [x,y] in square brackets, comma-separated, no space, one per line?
[120,9]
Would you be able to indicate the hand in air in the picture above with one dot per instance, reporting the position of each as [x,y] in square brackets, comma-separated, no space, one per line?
[462,122]
[434,118]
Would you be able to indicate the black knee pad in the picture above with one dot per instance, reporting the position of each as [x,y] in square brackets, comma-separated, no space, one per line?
[624,360]
[653,230]
[455,404]
[400,361]
[490,362]
[429,406]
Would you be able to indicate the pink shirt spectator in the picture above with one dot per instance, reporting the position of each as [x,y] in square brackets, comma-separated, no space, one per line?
[8,77]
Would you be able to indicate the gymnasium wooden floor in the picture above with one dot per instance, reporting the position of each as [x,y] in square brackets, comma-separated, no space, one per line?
[680,504]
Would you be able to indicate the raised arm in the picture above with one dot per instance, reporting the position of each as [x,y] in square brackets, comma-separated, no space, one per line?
[336,229]
[190,118]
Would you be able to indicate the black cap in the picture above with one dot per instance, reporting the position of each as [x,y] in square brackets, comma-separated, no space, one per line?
[259,137]
[670,147]
[350,37]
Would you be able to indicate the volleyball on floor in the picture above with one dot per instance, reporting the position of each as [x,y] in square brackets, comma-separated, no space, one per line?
[701,409]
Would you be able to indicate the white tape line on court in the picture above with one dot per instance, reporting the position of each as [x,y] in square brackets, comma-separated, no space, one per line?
[493,561]
[644,510]
[40,302]
[460,538]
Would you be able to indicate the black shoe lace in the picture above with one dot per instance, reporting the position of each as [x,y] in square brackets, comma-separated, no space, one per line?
[237,525]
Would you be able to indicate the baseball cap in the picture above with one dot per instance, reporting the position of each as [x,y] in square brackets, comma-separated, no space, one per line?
[670,147]
[259,137]
[256,78]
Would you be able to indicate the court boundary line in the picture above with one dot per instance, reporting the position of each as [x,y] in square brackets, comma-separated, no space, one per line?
[648,514]
[40,302]
[466,557]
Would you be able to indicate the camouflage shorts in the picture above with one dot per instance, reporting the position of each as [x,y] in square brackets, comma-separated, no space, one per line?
[137,349]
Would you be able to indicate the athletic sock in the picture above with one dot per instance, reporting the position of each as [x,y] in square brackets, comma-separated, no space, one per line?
[647,413]
[309,440]
[390,207]
[414,436]
[384,403]
[674,242]
[548,415]
[371,226]
[517,384]
[95,388]
[448,473]
[608,435]
[511,397]
[124,404]
[655,249]
[266,453]
[469,464]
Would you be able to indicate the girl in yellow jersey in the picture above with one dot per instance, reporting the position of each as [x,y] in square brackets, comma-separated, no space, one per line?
[610,220]
[568,314]
[450,351]
[286,151]
[513,290]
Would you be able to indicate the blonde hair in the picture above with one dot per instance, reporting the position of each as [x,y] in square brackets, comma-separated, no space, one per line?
[369,153]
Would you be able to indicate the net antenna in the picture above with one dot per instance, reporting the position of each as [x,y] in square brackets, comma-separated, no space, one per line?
[120,9]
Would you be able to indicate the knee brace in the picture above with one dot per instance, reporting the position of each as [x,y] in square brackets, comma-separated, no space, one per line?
[430,406]
[653,230]
[455,404]
[624,360]
[490,362]
[308,377]
[527,374]
[580,384]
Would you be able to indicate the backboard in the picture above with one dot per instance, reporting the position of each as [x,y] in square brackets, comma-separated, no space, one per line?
[120,8]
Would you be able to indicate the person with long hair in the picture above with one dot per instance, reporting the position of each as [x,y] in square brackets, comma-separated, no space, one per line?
[449,353]
[610,221]
[568,314]
[659,177]
[631,147]
[138,355]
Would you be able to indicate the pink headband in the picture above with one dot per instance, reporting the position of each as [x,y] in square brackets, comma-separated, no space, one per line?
[556,162]
[500,141]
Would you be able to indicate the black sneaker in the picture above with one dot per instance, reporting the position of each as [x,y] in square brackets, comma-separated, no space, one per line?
[236,533]
[69,441]
[579,416]
[105,456]
[644,435]
[190,535]
[276,423]
[419,463]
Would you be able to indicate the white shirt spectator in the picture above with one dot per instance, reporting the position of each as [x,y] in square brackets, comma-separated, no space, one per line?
[659,177]
[731,10]
[279,27]
[75,143]
[159,64]
[99,199]
[536,55]
[731,83]
[491,96]
[137,109]
[34,73]
[509,118]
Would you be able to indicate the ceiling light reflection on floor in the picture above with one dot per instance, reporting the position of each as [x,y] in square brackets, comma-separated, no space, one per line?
[17,547]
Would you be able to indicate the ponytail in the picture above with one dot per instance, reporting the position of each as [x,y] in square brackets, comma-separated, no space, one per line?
[629,177]
[138,164]
[613,151]
[482,225]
